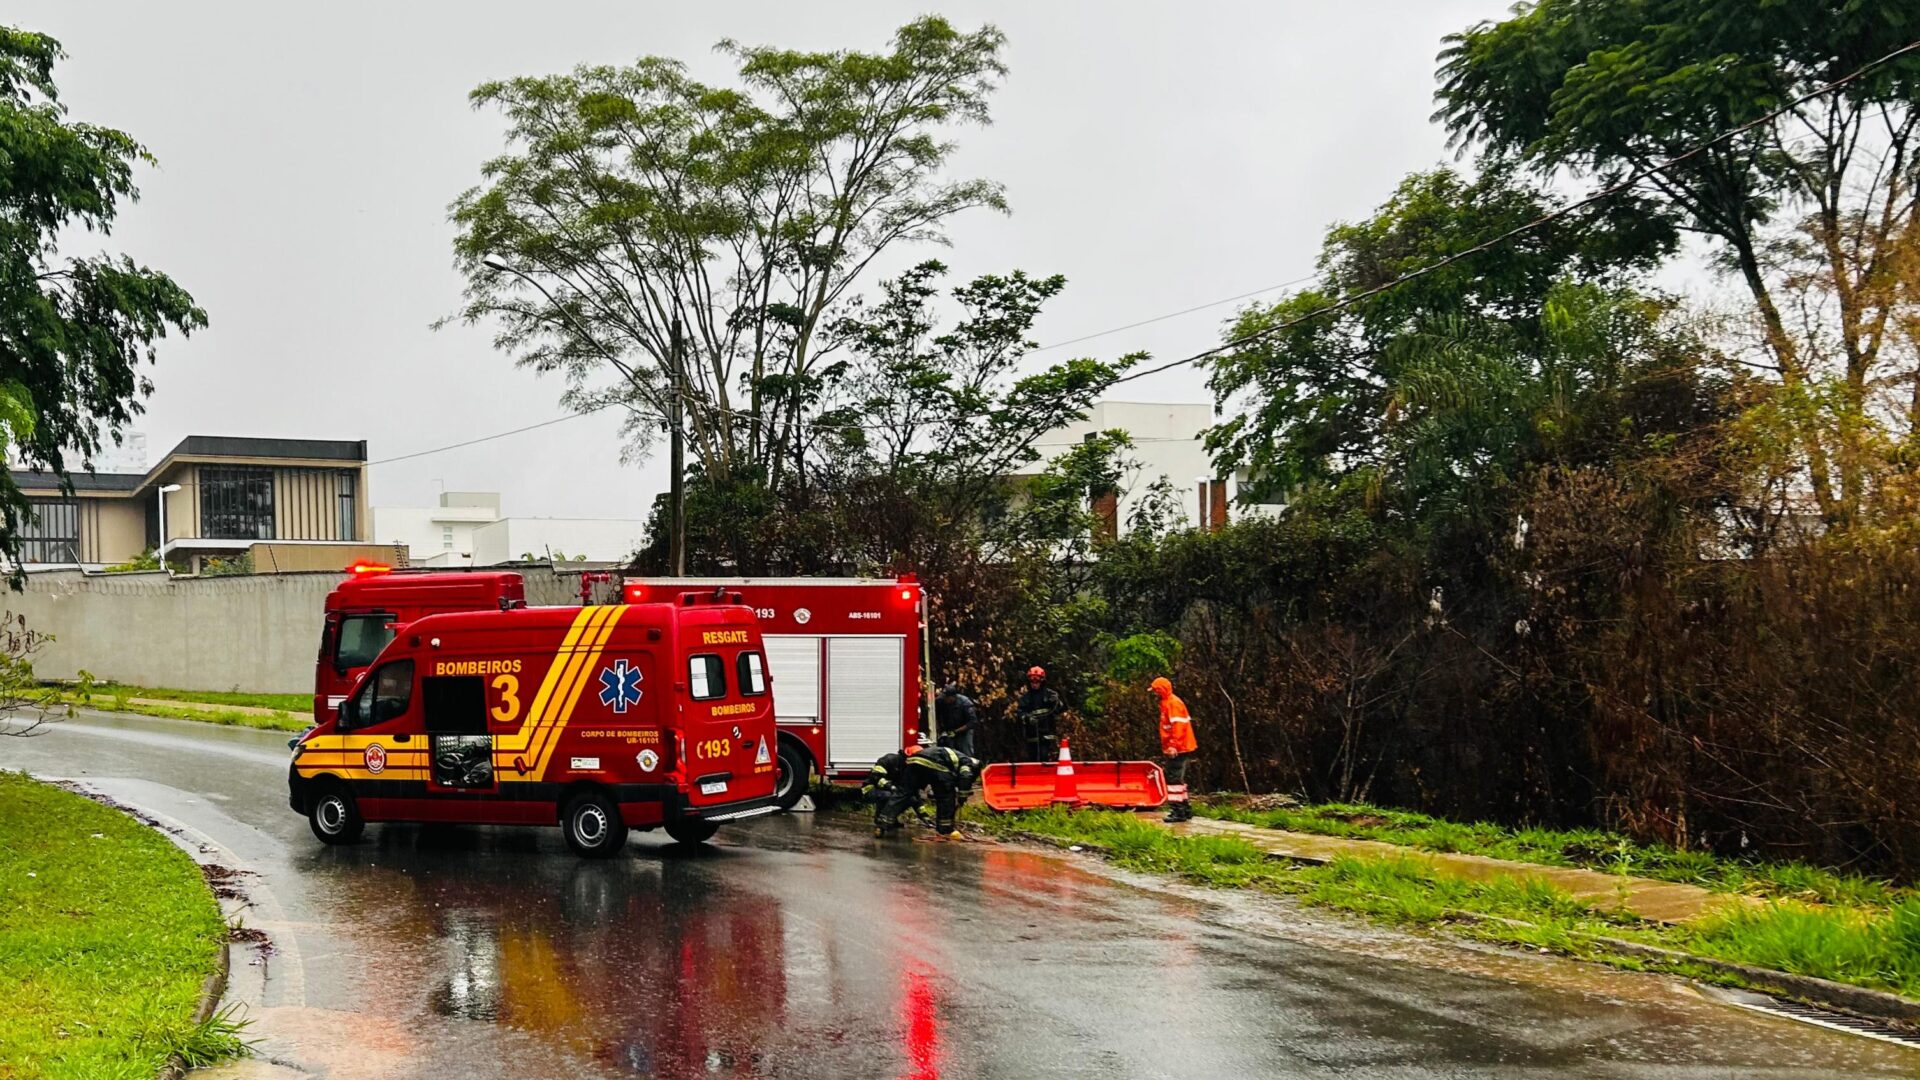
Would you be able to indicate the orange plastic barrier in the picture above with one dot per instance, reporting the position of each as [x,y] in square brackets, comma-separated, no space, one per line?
[1026,785]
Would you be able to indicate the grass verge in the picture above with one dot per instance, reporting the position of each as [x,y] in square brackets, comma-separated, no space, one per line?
[1875,948]
[207,706]
[106,932]
[1590,849]
[293,703]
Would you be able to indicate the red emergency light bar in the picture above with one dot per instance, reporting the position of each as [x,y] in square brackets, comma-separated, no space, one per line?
[363,566]
[634,593]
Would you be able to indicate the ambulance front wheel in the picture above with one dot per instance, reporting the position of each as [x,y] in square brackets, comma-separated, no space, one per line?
[593,826]
[692,830]
[334,817]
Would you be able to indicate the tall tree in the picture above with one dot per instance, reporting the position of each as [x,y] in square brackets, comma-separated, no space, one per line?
[1611,88]
[1428,393]
[73,330]
[637,207]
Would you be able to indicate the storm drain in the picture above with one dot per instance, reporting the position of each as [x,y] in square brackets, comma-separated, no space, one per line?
[1808,1014]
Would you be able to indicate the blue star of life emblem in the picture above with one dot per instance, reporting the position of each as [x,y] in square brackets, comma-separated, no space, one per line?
[619,686]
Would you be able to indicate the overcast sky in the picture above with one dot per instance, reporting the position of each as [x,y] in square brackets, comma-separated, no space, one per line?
[1158,155]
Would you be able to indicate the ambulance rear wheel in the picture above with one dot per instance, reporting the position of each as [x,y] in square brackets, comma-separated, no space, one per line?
[692,830]
[791,783]
[593,826]
[334,817]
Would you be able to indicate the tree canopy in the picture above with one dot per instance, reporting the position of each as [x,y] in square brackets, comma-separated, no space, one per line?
[1813,207]
[74,330]
[639,211]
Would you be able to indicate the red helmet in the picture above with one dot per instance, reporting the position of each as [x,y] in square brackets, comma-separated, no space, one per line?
[1036,672]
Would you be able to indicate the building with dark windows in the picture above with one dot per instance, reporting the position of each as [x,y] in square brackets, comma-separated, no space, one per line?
[288,504]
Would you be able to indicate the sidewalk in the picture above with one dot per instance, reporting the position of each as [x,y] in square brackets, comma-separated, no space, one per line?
[1659,901]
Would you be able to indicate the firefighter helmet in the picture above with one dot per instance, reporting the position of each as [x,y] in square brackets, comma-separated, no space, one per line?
[1036,672]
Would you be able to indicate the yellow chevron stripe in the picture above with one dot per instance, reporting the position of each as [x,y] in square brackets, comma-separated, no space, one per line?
[506,746]
[573,699]
[588,647]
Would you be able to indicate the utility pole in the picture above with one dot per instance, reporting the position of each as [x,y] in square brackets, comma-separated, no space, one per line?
[677,458]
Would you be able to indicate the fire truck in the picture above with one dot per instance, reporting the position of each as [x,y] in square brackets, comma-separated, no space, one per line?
[845,655]
[599,719]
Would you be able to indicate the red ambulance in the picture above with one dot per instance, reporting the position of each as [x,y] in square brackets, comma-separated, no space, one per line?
[598,719]
[845,655]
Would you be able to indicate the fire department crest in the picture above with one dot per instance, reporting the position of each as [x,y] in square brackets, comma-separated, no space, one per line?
[619,685]
[375,757]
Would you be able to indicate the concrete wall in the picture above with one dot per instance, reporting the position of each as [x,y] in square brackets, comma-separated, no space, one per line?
[259,633]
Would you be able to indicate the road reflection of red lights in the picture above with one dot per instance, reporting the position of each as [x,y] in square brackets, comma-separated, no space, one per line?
[919,1027]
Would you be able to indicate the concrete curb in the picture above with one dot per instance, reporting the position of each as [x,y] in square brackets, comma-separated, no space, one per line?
[214,986]
[1839,997]
[212,989]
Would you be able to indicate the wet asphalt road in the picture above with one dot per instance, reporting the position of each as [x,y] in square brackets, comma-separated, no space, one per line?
[797,946]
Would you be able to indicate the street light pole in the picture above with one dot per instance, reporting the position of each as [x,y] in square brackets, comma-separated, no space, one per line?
[677,451]
[677,464]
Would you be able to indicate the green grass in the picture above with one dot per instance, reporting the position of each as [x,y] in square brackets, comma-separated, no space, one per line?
[208,706]
[106,933]
[1586,848]
[293,703]
[1865,946]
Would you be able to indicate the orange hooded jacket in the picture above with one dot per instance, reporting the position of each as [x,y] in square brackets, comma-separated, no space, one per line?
[1176,726]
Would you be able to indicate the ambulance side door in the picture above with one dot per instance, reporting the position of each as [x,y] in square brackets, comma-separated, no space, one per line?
[460,746]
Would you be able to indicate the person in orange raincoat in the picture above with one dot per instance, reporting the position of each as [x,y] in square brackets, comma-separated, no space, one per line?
[1177,743]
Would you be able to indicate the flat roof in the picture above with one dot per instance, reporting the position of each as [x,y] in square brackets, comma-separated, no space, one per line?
[241,447]
[32,479]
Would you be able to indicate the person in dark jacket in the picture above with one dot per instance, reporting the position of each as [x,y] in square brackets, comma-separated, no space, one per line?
[947,772]
[957,718]
[882,782]
[1039,711]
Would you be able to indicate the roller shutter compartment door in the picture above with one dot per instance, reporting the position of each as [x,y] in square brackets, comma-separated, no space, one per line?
[863,698]
[793,661]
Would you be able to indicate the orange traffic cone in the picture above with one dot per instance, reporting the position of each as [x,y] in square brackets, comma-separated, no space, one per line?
[1066,790]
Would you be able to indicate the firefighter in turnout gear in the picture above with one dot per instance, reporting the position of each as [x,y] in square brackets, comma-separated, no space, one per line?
[883,780]
[1177,743]
[957,717]
[948,772]
[1040,708]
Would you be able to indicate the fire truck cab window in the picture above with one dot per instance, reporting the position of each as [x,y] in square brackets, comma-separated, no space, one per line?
[706,677]
[382,697]
[753,674]
[361,639]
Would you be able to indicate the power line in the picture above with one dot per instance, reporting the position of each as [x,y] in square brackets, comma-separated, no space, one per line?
[1366,294]
[1496,241]
[1177,314]
[495,435]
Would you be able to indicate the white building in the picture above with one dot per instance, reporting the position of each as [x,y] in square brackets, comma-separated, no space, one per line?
[440,535]
[600,540]
[467,529]
[1166,443]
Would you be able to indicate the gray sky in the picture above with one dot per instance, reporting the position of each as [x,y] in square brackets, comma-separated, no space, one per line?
[1159,156]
